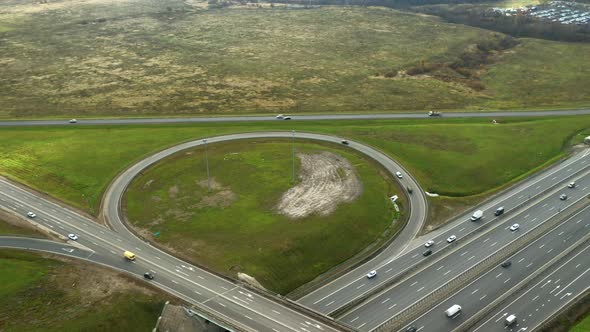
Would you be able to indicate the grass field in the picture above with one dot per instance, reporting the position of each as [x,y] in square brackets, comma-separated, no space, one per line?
[583,326]
[33,289]
[134,57]
[238,228]
[457,157]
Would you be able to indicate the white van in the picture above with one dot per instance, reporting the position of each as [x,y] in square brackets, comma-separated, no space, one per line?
[510,320]
[453,311]
[477,215]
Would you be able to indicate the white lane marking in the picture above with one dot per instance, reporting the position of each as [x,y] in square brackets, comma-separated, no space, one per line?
[360,286]
[327,305]
[415,256]
[119,240]
[223,305]
[553,207]
[101,232]
[352,321]
[486,240]
[224,287]
[522,259]
[519,196]
[276,312]
[201,277]
[541,246]
[527,216]
[363,324]
[544,205]
[560,233]
[463,254]
[493,244]
[470,258]
[578,265]
[462,229]
[447,272]
[157,257]
[535,298]
[415,282]
[94,243]
[388,270]
[534,219]
[475,291]
[507,280]
[174,281]
[421,288]
[550,250]
[529,264]
[197,292]
[387,299]
[483,297]
[577,222]
[137,249]
[499,274]
[392,306]
[114,253]
[440,267]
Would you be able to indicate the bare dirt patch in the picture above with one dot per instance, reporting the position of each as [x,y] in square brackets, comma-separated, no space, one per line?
[221,197]
[327,180]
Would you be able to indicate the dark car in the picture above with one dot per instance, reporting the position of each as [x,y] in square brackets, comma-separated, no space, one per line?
[148,275]
[409,190]
[345,142]
[499,211]
[506,264]
[427,252]
[411,329]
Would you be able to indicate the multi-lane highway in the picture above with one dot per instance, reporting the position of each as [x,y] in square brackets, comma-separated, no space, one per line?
[476,296]
[294,118]
[460,256]
[354,285]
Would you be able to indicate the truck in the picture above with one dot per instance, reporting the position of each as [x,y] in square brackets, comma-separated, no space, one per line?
[453,311]
[477,215]
[510,320]
[129,255]
[434,113]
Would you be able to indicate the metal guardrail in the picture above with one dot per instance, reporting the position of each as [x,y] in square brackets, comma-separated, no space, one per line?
[215,318]
[442,292]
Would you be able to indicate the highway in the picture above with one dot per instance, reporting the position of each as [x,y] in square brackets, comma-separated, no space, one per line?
[381,308]
[545,296]
[474,297]
[127,121]
[340,292]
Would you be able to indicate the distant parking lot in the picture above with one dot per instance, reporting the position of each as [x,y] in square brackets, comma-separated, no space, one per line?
[562,12]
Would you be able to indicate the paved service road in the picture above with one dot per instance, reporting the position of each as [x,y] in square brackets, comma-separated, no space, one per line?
[545,295]
[353,285]
[387,304]
[477,295]
[294,118]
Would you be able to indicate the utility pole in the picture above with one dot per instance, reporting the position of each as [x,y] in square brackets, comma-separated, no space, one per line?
[207,163]
[293,156]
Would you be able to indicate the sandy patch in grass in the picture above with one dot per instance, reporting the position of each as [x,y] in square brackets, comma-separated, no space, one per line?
[327,180]
[220,197]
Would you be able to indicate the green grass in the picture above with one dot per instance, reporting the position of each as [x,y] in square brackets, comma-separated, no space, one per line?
[10,229]
[35,297]
[147,59]
[247,233]
[454,157]
[583,326]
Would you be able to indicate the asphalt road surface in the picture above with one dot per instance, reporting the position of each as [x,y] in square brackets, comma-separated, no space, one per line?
[354,285]
[294,118]
[545,295]
[477,295]
[463,256]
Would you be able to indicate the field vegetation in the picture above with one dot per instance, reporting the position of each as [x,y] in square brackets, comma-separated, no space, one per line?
[147,57]
[242,225]
[33,289]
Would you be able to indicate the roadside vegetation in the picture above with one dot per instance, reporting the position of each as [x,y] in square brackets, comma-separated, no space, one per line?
[452,157]
[34,288]
[16,227]
[244,224]
[172,58]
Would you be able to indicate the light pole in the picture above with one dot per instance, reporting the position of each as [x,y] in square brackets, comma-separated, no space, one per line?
[293,156]
[207,163]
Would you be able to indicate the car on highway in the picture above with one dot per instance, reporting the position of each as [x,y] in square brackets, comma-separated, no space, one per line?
[409,189]
[31,214]
[514,227]
[506,264]
[345,142]
[428,243]
[148,275]
[563,197]
[371,274]
[73,121]
[399,175]
[73,237]
[427,252]
[411,329]
[499,211]
[280,117]
[451,238]
[287,118]
[572,184]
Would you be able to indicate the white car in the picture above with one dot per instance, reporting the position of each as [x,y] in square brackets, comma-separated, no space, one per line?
[371,274]
[451,238]
[280,116]
[73,120]
[31,214]
[399,175]
[571,184]
[514,227]
[428,243]
[73,237]
[563,197]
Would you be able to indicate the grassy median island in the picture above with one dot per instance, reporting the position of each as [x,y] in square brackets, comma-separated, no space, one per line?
[140,57]
[338,207]
[33,289]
